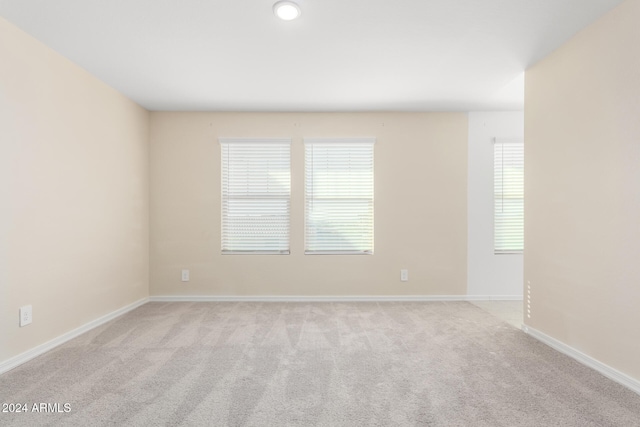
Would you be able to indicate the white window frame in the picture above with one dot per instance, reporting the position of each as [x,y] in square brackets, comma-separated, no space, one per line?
[254,191]
[507,186]
[363,191]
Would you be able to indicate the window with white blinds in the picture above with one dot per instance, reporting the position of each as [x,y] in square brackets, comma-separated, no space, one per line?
[339,195]
[256,195]
[508,190]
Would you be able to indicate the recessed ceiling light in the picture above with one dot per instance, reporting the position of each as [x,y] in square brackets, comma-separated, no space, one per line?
[286,10]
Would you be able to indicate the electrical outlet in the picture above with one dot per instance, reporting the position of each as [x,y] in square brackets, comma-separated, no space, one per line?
[26,315]
[404,275]
[185,275]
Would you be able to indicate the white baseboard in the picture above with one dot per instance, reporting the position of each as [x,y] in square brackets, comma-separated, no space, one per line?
[494,298]
[9,364]
[607,371]
[329,298]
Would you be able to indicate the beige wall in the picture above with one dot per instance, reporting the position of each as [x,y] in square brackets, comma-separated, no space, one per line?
[582,213]
[74,194]
[420,206]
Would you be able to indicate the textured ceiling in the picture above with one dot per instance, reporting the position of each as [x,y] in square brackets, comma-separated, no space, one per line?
[349,55]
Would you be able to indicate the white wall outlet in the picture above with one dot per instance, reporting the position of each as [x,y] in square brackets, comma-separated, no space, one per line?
[404,275]
[185,275]
[26,315]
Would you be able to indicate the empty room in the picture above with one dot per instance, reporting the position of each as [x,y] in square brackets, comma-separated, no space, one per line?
[320,213]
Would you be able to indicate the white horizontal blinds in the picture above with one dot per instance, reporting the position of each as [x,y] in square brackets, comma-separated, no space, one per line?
[508,196]
[339,196]
[256,194]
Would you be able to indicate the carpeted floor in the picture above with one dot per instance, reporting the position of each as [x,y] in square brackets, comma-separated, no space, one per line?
[306,364]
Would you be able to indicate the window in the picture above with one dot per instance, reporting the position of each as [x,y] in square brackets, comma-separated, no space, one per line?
[508,190]
[339,196]
[256,193]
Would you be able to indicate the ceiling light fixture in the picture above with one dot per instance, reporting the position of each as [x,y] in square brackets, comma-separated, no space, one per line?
[286,10]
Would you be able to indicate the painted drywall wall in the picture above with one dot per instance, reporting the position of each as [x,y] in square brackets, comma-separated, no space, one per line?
[74,195]
[420,206]
[582,186]
[489,274]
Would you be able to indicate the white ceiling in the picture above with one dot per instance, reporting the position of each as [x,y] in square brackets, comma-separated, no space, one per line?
[348,55]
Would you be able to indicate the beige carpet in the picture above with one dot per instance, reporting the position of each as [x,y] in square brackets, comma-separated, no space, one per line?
[303,364]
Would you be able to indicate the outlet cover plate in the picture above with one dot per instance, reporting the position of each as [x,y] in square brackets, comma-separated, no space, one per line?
[26,315]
